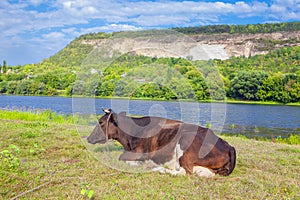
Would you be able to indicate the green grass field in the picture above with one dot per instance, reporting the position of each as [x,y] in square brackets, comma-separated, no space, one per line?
[42,156]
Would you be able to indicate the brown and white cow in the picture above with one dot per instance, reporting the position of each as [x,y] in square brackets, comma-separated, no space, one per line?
[183,147]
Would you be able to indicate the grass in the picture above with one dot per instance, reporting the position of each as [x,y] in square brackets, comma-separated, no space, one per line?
[291,139]
[35,116]
[46,157]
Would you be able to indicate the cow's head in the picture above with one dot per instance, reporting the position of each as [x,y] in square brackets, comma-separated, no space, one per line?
[105,129]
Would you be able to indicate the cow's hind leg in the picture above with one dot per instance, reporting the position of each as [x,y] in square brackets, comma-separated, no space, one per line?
[186,164]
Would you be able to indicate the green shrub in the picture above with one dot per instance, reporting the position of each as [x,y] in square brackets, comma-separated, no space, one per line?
[8,158]
[292,139]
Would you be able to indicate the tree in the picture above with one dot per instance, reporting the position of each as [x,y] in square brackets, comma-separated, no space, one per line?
[120,88]
[94,87]
[3,86]
[246,84]
[198,84]
[4,69]
[51,79]
[280,88]
[107,88]
[79,88]
[292,88]
[181,88]
[11,87]
[23,87]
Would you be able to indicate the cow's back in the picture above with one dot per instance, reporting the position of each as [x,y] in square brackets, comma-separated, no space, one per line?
[143,127]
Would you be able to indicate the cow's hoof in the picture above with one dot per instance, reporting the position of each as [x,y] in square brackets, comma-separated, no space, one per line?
[159,169]
[203,171]
[134,163]
[180,171]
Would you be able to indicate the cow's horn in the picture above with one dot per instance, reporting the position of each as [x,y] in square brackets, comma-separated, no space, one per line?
[106,110]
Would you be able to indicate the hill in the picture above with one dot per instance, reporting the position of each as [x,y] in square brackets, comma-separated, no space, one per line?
[252,62]
[199,43]
[220,41]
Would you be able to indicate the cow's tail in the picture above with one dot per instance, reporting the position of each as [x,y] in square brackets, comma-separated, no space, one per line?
[232,155]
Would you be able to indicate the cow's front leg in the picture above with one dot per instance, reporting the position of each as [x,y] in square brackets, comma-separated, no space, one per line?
[132,156]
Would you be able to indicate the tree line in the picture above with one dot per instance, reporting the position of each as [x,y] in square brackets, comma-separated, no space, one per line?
[241,29]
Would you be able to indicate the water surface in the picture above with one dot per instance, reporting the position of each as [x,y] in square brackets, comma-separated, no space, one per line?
[251,120]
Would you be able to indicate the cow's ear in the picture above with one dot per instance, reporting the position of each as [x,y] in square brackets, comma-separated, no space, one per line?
[114,119]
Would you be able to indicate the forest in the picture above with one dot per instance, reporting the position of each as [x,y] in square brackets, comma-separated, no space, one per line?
[242,29]
[272,77]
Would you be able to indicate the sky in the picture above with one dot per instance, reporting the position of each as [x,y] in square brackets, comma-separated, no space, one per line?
[32,30]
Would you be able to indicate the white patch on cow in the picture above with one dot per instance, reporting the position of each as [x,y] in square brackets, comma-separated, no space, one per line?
[172,166]
[203,171]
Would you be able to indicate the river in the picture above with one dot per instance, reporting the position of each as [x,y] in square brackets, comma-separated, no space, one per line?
[250,120]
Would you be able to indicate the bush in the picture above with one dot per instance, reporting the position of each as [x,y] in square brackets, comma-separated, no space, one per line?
[292,139]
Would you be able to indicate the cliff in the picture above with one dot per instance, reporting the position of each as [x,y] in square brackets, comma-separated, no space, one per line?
[167,43]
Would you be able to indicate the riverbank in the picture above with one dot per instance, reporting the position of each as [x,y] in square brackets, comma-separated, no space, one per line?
[228,101]
[232,101]
[43,157]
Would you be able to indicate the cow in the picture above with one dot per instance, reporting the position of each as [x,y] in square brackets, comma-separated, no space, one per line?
[184,148]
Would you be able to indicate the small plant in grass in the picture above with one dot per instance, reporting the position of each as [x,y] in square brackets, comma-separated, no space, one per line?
[232,126]
[36,149]
[8,158]
[29,134]
[86,191]
[208,125]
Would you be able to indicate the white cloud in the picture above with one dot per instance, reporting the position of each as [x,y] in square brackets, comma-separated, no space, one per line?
[278,9]
[111,28]
[35,2]
[72,32]
[285,10]
[53,35]
[79,8]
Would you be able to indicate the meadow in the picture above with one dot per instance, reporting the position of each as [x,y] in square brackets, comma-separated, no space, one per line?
[42,156]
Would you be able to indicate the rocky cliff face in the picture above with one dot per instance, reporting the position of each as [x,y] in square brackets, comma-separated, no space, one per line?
[197,47]
[252,44]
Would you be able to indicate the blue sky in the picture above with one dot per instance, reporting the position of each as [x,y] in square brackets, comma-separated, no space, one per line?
[32,30]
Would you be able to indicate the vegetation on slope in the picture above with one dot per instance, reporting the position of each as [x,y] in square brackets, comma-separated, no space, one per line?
[271,77]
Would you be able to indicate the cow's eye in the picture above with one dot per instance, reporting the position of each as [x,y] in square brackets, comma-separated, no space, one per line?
[101,123]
